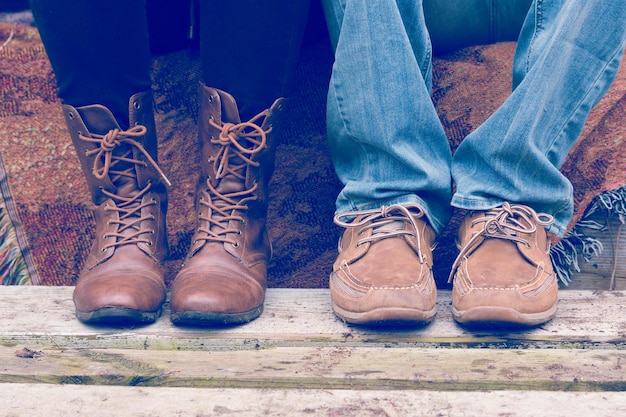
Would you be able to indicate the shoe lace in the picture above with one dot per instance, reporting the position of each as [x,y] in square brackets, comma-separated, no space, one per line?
[238,142]
[509,222]
[385,222]
[119,167]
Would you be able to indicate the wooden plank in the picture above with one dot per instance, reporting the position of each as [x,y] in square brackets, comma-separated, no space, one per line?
[39,400]
[352,368]
[43,317]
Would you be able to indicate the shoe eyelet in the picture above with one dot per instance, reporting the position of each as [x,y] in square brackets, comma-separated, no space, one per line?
[235,245]
[149,243]
[136,105]
[70,115]
[210,98]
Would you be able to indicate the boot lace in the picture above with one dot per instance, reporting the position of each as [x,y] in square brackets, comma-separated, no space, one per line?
[239,142]
[509,222]
[118,167]
[386,222]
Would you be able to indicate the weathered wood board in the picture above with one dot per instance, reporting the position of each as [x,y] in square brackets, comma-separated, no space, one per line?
[299,359]
[40,400]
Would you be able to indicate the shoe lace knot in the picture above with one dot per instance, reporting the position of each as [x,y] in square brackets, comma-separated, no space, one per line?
[239,142]
[385,222]
[105,158]
[513,222]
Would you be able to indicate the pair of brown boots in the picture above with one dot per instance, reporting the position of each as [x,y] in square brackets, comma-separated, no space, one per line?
[223,279]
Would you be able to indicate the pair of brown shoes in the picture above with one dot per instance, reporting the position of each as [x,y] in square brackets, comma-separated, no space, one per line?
[503,274]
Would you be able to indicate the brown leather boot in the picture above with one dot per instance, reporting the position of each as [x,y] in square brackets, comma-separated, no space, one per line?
[223,280]
[503,274]
[122,278]
[383,274]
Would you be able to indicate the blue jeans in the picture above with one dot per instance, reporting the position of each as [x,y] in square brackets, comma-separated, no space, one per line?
[387,142]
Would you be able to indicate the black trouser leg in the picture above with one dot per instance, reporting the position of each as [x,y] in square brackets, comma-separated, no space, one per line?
[99,50]
[250,48]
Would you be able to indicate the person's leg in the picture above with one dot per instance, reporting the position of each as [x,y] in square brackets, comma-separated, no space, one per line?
[387,143]
[391,153]
[249,51]
[100,54]
[99,50]
[250,48]
[568,54]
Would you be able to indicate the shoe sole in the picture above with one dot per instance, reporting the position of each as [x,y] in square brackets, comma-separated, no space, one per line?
[206,318]
[386,316]
[489,316]
[118,316]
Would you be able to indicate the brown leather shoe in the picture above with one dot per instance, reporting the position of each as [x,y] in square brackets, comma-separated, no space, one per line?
[503,274]
[122,279]
[383,274]
[224,277]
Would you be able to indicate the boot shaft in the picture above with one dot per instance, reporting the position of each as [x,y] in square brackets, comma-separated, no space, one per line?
[90,126]
[232,191]
[218,119]
[126,185]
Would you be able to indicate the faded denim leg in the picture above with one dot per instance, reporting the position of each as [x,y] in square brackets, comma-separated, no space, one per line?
[385,138]
[567,56]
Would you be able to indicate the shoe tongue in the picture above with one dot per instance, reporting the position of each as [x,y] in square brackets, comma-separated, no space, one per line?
[392,226]
[98,119]
[230,114]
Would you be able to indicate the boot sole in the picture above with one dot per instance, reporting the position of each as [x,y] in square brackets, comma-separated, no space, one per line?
[207,318]
[489,316]
[118,316]
[387,316]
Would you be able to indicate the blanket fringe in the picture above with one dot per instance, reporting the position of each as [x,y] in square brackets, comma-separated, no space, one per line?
[565,254]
